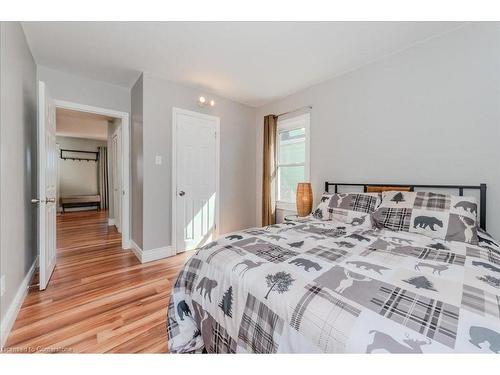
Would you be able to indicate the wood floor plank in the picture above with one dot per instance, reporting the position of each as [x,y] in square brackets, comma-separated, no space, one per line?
[100,297]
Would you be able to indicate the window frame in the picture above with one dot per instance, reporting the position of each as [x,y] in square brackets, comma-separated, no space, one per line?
[292,123]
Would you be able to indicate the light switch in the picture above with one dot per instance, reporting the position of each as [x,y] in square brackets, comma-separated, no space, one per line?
[158,160]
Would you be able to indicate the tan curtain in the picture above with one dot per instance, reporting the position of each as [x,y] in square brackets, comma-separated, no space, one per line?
[103,176]
[269,171]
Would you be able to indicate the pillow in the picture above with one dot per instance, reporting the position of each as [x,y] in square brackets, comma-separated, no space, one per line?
[442,216]
[486,240]
[349,208]
[321,212]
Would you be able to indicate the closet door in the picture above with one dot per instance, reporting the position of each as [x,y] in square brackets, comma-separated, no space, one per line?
[196,169]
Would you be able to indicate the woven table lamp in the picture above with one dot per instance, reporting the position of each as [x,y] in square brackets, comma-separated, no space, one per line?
[304,198]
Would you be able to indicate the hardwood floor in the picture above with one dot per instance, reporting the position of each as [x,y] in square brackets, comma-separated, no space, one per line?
[100,297]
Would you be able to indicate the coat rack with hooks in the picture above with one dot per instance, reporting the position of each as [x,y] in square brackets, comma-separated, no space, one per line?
[66,154]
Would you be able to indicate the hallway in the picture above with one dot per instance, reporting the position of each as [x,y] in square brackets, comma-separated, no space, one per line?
[100,297]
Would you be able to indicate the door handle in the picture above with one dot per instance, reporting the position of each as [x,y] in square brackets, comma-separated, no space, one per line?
[46,200]
[182,193]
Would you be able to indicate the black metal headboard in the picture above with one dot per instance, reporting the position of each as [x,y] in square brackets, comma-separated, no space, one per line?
[460,188]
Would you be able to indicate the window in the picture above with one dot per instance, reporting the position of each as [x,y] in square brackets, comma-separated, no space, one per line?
[292,159]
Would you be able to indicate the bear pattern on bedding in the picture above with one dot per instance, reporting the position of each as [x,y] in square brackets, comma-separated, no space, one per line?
[314,286]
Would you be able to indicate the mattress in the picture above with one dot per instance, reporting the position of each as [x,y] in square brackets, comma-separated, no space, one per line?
[315,286]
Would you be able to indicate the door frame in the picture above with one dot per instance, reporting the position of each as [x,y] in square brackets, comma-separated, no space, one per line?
[125,127]
[117,215]
[177,111]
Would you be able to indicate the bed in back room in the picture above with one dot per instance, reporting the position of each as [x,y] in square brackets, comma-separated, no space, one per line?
[397,272]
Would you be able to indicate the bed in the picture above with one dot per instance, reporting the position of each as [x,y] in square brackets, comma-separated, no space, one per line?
[325,286]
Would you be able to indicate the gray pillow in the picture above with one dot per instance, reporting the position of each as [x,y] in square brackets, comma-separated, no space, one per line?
[349,208]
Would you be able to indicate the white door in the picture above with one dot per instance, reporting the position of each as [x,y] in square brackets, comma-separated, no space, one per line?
[117,178]
[47,184]
[196,179]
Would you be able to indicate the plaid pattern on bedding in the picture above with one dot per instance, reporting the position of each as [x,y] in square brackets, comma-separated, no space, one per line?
[432,201]
[364,203]
[481,301]
[485,253]
[295,287]
[434,319]
[188,275]
[221,341]
[172,325]
[330,255]
[396,219]
[422,253]
[324,319]
[259,328]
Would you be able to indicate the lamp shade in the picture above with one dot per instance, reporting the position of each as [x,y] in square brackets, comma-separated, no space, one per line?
[304,198]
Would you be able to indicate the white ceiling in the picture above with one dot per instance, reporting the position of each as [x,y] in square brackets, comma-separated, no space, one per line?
[81,124]
[249,62]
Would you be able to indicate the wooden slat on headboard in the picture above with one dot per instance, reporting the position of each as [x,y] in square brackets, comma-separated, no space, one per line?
[381,189]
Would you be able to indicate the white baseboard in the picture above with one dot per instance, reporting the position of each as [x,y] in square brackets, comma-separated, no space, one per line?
[111,221]
[136,250]
[153,254]
[15,306]
[127,244]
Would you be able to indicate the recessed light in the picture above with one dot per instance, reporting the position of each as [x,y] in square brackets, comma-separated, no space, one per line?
[203,102]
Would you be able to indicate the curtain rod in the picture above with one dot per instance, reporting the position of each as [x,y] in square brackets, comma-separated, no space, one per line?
[295,110]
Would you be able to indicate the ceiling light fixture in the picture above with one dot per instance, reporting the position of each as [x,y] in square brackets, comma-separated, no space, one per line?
[203,102]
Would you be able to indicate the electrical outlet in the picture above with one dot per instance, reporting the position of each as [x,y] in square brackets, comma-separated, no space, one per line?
[2,285]
[158,160]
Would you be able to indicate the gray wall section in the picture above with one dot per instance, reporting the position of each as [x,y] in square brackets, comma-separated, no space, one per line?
[76,89]
[237,155]
[136,161]
[17,159]
[430,114]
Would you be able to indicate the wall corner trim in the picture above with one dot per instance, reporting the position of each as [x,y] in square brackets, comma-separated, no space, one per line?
[15,306]
[145,256]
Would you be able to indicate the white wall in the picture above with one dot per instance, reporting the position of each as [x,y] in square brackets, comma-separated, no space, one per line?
[17,162]
[237,154]
[78,177]
[76,89]
[430,114]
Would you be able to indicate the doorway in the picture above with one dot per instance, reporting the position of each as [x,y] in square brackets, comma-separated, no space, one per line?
[119,156]
[195,179]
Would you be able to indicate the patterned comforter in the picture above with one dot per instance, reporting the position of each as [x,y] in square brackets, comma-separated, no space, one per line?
[323,286]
